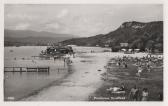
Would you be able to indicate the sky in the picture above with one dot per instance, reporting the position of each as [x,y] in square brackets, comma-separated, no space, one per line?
[82,20]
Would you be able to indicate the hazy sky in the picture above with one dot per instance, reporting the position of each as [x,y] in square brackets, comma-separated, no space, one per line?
[81,20]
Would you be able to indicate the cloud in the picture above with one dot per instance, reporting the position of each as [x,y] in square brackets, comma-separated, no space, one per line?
[84,26]
[62,13]
[21,16]
[82,20]
[22,26]
[53,26]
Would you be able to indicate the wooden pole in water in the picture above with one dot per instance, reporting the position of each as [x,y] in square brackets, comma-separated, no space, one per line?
[20,69]
[48,69]
[64,62]
[58,70]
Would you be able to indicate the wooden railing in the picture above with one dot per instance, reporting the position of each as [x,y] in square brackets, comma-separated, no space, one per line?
[26,69]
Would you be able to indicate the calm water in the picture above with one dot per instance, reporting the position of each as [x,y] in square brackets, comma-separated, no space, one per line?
[18,85]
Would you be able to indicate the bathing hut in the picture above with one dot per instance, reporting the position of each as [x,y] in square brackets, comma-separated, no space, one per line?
[57,50]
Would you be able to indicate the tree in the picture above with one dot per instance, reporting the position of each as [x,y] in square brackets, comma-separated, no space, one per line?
[150,44]
[159,46]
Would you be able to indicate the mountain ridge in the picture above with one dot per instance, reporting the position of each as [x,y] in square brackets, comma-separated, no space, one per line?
[27,33]
[29,37]
[137,34]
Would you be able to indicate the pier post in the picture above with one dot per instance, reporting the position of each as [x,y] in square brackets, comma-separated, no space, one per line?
[64,61]
[20,69]
[58,70]
[48,69]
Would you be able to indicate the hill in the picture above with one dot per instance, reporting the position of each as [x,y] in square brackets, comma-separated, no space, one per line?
[28,37]
[136,34]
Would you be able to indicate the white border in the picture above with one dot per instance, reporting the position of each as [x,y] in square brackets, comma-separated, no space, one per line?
[165,2]
[84,1]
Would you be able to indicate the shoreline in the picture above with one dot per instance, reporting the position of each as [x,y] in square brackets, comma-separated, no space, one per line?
[56,82]
[35,92]
[83,78]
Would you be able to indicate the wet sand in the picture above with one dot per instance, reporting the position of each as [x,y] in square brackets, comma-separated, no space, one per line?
[84,80]
[80,84]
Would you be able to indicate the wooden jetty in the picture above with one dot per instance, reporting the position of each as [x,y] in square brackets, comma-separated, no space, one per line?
[26,69]
[46,57]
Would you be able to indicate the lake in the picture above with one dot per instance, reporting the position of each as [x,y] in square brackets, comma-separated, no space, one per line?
[18,85]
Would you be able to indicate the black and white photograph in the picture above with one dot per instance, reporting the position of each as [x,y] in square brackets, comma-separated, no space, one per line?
[83,52]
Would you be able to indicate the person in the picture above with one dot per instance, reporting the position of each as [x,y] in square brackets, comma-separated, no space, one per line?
[122,88]
[133,95]
[119,63]
[148,68]
[55,58]
[145,94]
[139,71]
[73,54]
[125,65]
[68,61]
[160,96]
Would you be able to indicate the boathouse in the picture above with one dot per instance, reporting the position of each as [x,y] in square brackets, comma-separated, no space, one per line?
[53,50]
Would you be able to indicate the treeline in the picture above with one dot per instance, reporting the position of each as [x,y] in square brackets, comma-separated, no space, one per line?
[138,35]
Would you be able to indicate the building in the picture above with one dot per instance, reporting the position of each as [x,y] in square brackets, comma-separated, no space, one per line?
[106,45]
[123,44]
[54,50]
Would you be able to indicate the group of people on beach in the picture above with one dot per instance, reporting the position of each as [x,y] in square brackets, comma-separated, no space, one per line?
[134,94]
[122,62]
[138,95]
[141,94]
[145,64]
